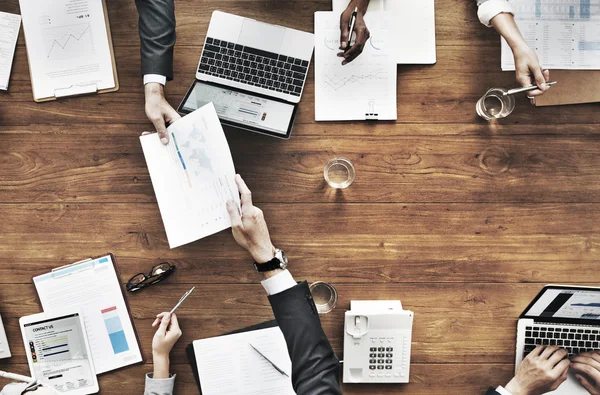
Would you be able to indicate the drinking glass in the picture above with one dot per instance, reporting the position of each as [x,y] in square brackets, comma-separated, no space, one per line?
[495,104]
[339,173]
[324,295]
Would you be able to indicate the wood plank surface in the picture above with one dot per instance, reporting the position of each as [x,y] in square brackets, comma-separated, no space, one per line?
[462,220]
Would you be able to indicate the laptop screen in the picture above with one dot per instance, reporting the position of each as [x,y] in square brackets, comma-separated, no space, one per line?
[569,305]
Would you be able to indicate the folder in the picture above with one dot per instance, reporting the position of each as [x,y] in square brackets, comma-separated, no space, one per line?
[47,32]
[94,285]
[573,87]
[192,355]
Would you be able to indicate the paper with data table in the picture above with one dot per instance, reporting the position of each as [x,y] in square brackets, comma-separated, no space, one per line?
[364,88]
[193,176]
[94,287]
[9,32]
[564,33]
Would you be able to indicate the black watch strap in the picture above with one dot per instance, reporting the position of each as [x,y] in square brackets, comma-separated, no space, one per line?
[273,264]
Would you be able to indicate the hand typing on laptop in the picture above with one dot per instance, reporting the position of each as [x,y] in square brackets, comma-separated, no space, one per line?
[361,32]
[586,367]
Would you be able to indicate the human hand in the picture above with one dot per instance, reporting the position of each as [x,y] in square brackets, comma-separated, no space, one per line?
[587,370]
[166,336]
[361,32]
[543,370]
[158,110]
[528,69]
[250,229]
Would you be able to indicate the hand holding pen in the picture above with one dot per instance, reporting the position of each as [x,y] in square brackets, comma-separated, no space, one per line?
[352,24]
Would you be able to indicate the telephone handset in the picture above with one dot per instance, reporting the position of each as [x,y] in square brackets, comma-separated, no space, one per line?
[377,341]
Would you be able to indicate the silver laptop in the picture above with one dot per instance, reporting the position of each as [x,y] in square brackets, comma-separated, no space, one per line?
[253,72]
[565,316]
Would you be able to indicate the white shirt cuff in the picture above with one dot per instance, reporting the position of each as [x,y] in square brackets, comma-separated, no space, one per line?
[161,79]
[502,391]
[278,283]
[488,10]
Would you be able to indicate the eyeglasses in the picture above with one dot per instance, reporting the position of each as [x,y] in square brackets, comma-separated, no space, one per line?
[156,275]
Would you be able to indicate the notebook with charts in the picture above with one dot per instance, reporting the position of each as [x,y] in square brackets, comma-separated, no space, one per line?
[94,286]
[193,176]
[364,89]
[69,48]
[228,365]
[565,34]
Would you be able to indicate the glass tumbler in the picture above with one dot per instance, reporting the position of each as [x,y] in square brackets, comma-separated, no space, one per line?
[324,295]
[339,173]
[495,104]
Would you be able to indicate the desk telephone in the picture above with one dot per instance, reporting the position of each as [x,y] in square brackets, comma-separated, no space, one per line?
[377,340]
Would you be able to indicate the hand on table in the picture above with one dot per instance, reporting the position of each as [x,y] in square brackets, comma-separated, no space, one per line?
[361,32]
[587,370]
[166,336]
[543,370]
[158,110]
[528,69]
[250,229]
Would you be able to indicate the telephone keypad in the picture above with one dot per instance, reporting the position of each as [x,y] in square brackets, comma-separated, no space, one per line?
[384,357]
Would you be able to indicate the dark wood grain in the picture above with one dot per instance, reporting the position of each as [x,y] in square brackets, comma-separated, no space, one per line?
[462,220]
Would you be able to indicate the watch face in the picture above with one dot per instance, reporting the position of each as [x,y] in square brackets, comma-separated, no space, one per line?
[279,254]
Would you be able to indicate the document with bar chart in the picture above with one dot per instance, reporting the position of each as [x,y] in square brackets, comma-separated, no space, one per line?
[110,330]
[564,33]
[364,89]
[193,176]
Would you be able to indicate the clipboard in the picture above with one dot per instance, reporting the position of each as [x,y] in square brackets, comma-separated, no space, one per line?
[189,350]
[570,88]
[63,272]
[79,90]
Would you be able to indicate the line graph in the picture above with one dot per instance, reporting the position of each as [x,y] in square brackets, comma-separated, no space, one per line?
[337,82]
[69,42]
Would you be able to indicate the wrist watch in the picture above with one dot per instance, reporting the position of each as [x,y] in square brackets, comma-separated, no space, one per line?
[280,261]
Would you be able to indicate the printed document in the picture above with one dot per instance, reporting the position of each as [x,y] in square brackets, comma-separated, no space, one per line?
[9,32]
[364,88]
[193,176]
[564,33]
[94,287]
[67,46]
[229,365]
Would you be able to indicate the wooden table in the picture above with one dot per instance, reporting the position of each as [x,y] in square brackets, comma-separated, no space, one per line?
[461,220]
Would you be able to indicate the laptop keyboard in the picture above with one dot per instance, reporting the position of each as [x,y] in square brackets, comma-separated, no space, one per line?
[253,66]
[574,340]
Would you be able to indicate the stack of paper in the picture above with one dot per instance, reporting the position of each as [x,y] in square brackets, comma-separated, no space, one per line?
[9,32]
[364,88]
[193,177]
[565,34]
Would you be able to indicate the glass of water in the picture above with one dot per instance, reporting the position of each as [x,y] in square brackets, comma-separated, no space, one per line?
[324,295]
[339,173]
[495,104]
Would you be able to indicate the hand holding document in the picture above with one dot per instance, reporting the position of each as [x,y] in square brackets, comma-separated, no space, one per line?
[193,176]
[364,89]
[9,32]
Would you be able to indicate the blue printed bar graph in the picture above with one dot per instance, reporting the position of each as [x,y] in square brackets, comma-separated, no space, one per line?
[114,327]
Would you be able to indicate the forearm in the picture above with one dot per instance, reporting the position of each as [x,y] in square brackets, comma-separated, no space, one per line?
[505,25]
[161,367]
[157,36]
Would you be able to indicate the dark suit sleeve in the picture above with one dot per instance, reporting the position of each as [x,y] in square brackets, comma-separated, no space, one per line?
[157,35]
[491,391]
[315,367]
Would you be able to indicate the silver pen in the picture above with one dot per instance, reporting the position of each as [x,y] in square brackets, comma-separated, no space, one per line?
[526,89]
[269,361]
[183,298]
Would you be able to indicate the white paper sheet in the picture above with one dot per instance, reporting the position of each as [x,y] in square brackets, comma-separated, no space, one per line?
[67,46]
[227,365]
[9,32]
[564,33]
[94,288]
[193,176]
[364,88]
[414,24]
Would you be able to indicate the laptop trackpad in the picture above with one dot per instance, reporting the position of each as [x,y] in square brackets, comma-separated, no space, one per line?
[261,35]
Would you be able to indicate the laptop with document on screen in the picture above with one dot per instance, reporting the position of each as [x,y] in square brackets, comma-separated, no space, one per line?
[253,72]
[564,316]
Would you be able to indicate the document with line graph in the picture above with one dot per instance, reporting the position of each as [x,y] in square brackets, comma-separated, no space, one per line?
[193,176]
[68,47]
[564,33]
[364,89]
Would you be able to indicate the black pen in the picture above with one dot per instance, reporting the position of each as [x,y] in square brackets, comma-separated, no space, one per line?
[352,24]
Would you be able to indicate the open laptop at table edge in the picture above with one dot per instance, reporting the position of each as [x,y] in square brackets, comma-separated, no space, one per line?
[554,299]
